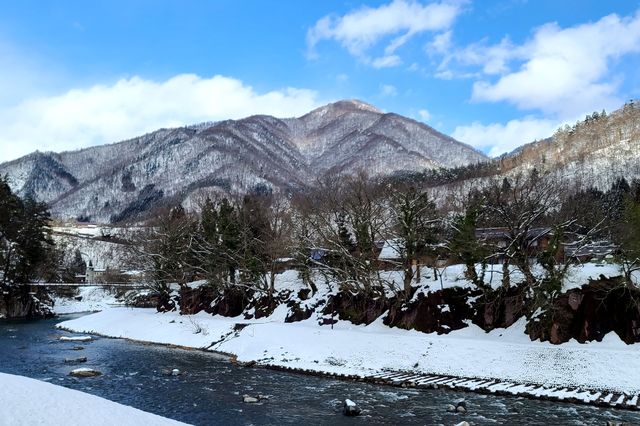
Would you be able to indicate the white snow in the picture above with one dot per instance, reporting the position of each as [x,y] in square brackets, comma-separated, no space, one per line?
[75,338]
[505,354]
[82,370]
[92,299]
[27,402]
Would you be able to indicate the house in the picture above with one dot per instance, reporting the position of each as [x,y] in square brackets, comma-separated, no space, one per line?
[282,264]
[392,253]
[391,250]
[537,239]
[593,251]
[93,274]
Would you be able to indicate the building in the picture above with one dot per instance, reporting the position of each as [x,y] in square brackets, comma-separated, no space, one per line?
[595,251]
[537,239]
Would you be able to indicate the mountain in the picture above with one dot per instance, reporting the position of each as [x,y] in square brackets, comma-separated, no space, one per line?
[593,152]
[119,181]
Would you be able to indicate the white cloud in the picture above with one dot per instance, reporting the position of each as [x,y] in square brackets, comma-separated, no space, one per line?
[388,90]
[386,61]
[560,73]
[131,107]
[424,115]
[493,59]
[441,43]
[500,138]
[563,71]
[399,20]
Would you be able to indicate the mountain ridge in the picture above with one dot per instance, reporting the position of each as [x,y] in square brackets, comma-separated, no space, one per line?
[102,182]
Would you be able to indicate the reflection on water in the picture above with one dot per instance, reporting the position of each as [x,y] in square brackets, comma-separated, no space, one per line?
[209,390]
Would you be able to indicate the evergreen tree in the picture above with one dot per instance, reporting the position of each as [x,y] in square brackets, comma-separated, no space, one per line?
[415,225]
[466,247]
[25,241]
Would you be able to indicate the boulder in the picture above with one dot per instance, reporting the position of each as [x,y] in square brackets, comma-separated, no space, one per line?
[84,372]
[247,399]
[350,408]
[75,360]
[75,338]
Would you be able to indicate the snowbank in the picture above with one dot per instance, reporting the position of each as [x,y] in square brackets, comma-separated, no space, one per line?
[31,402]
[92,299]
[504,354]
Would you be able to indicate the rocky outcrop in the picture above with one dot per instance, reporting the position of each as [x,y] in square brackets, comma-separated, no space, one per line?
[589,313]
[142,299]
[501,308]
[584,314]
[167,302]
[440,311]
[194,300]
[358,308]
[298,312]
[23,302]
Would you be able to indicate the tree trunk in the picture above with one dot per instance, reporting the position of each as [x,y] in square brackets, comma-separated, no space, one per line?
[408,277]
[506,279]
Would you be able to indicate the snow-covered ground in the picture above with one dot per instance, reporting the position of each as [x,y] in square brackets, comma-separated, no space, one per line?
[91,299]
[27,401]
[505,354]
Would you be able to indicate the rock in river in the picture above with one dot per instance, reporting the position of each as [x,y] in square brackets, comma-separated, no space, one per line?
[75,338]
[249,399]
[75,360]
[350,408]
[84,372]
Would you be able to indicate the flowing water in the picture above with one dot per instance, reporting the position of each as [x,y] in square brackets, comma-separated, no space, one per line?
[209,390]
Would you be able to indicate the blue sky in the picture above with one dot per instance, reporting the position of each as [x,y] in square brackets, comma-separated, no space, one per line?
[494,74]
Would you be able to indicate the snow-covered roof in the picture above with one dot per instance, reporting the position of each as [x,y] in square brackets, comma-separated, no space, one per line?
[597,249]
[392,249]
[501,233]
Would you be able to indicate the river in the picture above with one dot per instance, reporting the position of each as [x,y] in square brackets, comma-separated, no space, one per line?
[209,390]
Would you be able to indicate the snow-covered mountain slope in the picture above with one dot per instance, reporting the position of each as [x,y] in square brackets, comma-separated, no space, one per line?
[593,153]
[119,181]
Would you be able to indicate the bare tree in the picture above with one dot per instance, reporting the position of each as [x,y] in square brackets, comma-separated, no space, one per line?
[344,217]
[519,206]
[165,249]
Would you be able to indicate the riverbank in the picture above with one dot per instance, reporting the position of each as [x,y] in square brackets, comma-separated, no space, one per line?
[606,373]
[88,299]
[27,401]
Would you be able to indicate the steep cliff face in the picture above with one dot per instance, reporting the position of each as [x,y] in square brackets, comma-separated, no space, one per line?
[119,181]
